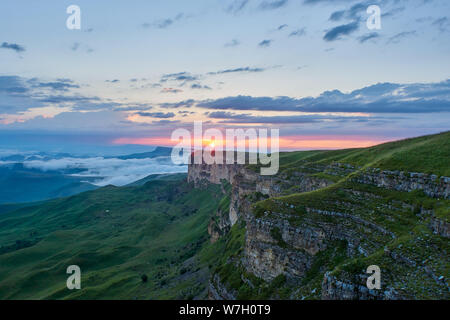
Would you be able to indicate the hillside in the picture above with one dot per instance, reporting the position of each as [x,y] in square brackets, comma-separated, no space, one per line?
[21,184]
[312,230]
[309,232]
[116,235]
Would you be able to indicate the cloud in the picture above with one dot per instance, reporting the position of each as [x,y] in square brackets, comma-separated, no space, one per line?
[105,171]
[337,15]
[164,23]
[199,86]
[378,98]
[165,122]
[281,27]
[342,30]
[113,81]
[232,43]
[265,43]
[19,94]
[12,85]
[180,76]
[442,23]
[92,121]
[369,36]
[58,85]
[250,103]
[61,99]
[236,6]
[324,1]
[234,118]
[75,46]
[237,70]
[171,90]
[182,104]
[400,36]
[271,5]
[298,33]
[12,46]
[354,13]
[160,115]
[393,12]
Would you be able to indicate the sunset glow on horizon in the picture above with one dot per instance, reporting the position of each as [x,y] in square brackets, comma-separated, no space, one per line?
[288,143]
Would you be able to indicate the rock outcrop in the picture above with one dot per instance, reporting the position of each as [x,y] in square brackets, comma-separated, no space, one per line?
[334,289]
[430,184]
[277,243]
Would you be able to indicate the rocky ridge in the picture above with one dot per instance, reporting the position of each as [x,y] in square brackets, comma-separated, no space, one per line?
[375,216]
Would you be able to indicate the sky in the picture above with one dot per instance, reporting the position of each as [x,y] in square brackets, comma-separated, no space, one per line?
[136,71]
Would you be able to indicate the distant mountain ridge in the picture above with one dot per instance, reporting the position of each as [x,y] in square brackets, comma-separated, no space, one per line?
[158,152]
[22,180]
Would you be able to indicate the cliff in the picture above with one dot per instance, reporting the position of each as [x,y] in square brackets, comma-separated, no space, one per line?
[315,227]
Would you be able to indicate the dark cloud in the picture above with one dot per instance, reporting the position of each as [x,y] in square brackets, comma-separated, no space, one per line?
[298,33]
[113,81]
[237,70]
[133,107]
[442,23]
[61,99]
[180,76]
[199,86]
[57,85]
[379,98]
[265,43]
[229,117]
[12,85]
[355,12]
[281,27]
[18,94]
[164,23]
[337,15]
[237,6]
[165,122]
[324,1]
[12,46]
[182,104]
[342,30]
[160,115]
[271,5]
[369,36]
[400,36]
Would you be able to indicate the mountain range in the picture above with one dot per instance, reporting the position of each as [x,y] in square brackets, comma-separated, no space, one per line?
[226,232]
[29,177]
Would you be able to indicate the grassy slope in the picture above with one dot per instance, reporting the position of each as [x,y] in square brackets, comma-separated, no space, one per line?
[156,229]
[396,212]
[428,154]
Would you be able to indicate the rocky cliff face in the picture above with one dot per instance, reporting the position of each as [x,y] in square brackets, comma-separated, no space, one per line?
[214,173]
[245,181]
[334,289]
[430,184]
[292,239]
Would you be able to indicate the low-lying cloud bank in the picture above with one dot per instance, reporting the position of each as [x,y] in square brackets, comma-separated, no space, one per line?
[104,171]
